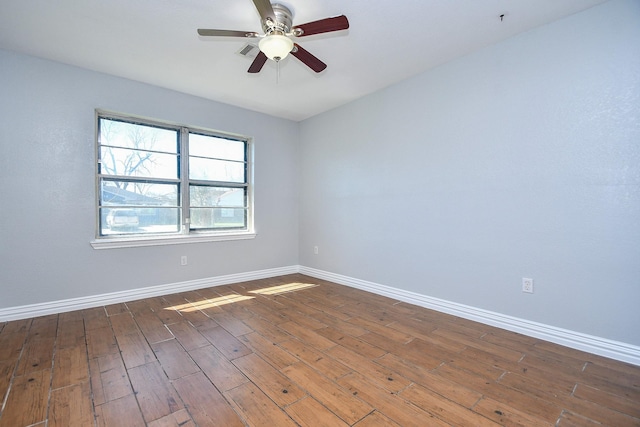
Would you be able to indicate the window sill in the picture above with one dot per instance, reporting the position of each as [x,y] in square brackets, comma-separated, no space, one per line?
[138,241]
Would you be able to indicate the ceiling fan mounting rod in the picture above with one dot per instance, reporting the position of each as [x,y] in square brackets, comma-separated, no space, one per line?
[282,24]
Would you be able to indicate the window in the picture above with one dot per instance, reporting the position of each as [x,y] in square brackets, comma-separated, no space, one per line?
[159,180]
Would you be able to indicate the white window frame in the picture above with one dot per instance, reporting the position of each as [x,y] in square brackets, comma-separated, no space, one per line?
[185,234]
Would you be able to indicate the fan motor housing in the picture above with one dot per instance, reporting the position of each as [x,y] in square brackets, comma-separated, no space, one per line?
[284,19]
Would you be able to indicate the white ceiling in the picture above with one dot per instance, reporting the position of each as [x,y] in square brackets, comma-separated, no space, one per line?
[155,41]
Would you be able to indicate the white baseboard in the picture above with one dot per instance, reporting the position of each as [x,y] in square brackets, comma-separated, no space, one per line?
[596,345]
[62,306]
[579,341]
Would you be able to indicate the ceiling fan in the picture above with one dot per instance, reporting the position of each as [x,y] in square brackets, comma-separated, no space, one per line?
[276,43]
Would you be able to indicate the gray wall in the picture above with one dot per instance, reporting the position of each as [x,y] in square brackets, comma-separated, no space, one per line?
[520,160]
[47,186]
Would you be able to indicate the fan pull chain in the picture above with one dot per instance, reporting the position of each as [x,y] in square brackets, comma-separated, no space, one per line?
[278,72]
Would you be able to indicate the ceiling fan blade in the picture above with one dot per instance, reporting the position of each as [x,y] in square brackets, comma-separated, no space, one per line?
[308,59]
[257,63]
[326,25]
[225,33]
[265,10]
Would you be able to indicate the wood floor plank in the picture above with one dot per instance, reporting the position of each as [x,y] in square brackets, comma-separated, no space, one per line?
[354,344]
[43,327]
[231,324]
[544,365]
[267,329]
[532,405]
[70,333]
[569,419]
[308,412]
[324,364]
[228,345]
[120,412]
[205,403]
[123,324]
[117,308]
[135,350]
[180,418]
[198,319]
[70,366]
[139,307]
[220,371]
[610,400]
[155,394]
[37,354]
[268,309]
[387,331]
[174,359]
[17,326]
[381,375]
[334,397]
[421,351]
[480,367]
[163,310]
[27,401]
[187,335]
[267,349]
[600,413]
[309,337]
[12,343]
[391,405]
[71,406]
[547,389]
[424,377]
[273,383]
[326,307]
[376,419]
[508,339]
[446,410]
[257,408]
[7,368]
[477,344]
[95,318]
[617,382]
[109,380]
[153,328]
[507,415]
[100,342]
[414,327]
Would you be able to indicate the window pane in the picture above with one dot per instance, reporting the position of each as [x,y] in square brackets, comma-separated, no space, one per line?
[128,162]
[216,170]
[144,220]
[126,193]
[201,196]
[139,137]
[216,148]
[218,218]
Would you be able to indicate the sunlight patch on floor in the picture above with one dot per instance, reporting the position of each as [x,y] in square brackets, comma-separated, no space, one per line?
[209,303]
[281,289]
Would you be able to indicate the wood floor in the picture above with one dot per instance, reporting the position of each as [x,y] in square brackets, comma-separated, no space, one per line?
[293,351]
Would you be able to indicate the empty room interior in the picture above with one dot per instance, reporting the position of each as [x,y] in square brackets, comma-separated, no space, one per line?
[320,213]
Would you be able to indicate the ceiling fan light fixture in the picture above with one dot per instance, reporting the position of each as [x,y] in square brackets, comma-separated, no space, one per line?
[276,46]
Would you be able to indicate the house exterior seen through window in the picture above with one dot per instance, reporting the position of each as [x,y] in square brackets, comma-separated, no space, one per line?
[156,179]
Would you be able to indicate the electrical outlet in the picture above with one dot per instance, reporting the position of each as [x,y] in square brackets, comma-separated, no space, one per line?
[527,285]
[183,260]
[315,250]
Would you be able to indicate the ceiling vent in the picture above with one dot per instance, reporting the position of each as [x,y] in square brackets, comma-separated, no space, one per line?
[249,50]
